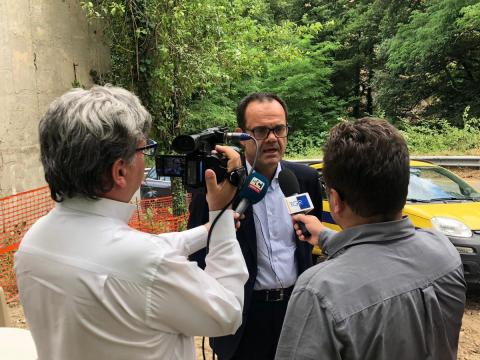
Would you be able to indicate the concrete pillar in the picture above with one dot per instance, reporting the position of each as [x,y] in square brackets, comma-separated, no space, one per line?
[40,41]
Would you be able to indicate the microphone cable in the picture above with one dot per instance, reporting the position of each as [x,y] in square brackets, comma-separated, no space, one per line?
[256,155]
[203,348]
[234,197]
[206,253]
[269,252]
[214,223]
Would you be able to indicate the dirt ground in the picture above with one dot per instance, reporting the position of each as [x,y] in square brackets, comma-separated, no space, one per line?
[469,348]
[467,173]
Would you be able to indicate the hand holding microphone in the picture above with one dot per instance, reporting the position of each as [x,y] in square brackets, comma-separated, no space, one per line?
[314,226]
[296,203]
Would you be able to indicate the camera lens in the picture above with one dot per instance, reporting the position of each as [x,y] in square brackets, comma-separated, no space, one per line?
[184,144]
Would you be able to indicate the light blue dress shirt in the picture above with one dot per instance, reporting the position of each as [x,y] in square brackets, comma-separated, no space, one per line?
[276,263]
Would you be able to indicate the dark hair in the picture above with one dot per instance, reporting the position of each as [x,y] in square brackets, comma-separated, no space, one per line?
[260,97]
[83,133]
[367,163]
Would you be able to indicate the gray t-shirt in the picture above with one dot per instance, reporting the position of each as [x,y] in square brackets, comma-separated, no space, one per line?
[387,291]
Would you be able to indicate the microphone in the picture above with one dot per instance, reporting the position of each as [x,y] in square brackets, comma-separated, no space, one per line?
[237,136]
[296,203]
[253,190]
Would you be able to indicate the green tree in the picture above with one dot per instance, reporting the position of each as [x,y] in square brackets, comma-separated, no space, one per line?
[167,51]
[281,58]
[304,83]
[185,58]
[433,62]
[358,27]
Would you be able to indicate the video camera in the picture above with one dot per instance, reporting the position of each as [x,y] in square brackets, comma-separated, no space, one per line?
[198,156]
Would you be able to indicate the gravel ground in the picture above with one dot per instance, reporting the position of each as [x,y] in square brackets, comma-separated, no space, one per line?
[469,348]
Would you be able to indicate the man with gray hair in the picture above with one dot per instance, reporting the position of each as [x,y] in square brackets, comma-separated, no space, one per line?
[91,286]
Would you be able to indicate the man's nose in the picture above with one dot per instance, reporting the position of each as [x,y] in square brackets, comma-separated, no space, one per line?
[271,136]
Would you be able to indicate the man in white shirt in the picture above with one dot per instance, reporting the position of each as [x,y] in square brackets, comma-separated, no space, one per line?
[91,286]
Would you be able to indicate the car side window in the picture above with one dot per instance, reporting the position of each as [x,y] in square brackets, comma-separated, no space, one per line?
[152,174]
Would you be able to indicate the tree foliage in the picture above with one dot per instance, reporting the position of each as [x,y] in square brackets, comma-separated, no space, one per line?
[192,61]
[434,58]
[359,28]
[304,83]
[168,52]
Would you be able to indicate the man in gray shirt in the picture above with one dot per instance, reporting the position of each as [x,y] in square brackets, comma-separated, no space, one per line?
[387,290]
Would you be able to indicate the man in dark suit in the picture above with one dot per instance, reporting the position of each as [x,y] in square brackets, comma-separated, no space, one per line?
[273,254]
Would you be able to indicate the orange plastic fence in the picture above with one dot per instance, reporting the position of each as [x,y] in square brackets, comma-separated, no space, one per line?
[19,212]
[155,216]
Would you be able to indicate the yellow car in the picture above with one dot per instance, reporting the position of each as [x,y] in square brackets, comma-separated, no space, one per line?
[437,199]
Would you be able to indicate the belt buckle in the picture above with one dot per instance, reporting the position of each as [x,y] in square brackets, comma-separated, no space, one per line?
[275,298]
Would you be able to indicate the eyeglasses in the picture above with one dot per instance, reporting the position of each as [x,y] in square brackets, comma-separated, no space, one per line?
[149,149]
[262,132]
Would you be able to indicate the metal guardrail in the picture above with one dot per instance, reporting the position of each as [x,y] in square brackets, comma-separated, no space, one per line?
[453,161]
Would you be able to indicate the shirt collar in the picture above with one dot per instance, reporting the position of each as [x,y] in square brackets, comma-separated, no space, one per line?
[101,207]
[370,233]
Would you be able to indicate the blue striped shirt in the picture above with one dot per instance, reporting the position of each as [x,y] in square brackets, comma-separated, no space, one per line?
[276,263]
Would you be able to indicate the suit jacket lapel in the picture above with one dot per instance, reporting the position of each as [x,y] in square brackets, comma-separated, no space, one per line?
[250,232]
[246,235]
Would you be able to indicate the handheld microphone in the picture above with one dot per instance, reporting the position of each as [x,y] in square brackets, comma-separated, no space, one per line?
[253,190]
[296,203]
[237,136]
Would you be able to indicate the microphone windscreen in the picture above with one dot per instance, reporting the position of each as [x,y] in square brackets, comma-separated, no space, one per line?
[288,182]
[254,188]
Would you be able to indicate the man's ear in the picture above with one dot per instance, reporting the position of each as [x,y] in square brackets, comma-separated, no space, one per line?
[119,173]
[337,205]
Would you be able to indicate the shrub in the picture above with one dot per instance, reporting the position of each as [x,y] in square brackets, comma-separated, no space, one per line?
[306,145]
[438,137]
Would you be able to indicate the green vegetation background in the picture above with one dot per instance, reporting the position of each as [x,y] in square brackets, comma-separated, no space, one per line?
[416,63]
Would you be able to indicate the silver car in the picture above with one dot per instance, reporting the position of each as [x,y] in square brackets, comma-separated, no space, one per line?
[154,186]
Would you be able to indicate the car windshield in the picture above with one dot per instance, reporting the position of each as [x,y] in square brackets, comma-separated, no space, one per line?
[429,184]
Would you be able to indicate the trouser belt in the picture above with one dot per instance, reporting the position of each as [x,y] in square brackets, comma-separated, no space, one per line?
[272,295]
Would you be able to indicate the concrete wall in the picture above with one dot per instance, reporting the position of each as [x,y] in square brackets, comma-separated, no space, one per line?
[40,40]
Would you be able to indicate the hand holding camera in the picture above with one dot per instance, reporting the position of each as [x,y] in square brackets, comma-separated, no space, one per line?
[207,164]
[199,156]
[220,194]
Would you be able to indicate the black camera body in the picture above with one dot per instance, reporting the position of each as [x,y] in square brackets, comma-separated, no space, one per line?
[198,157]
